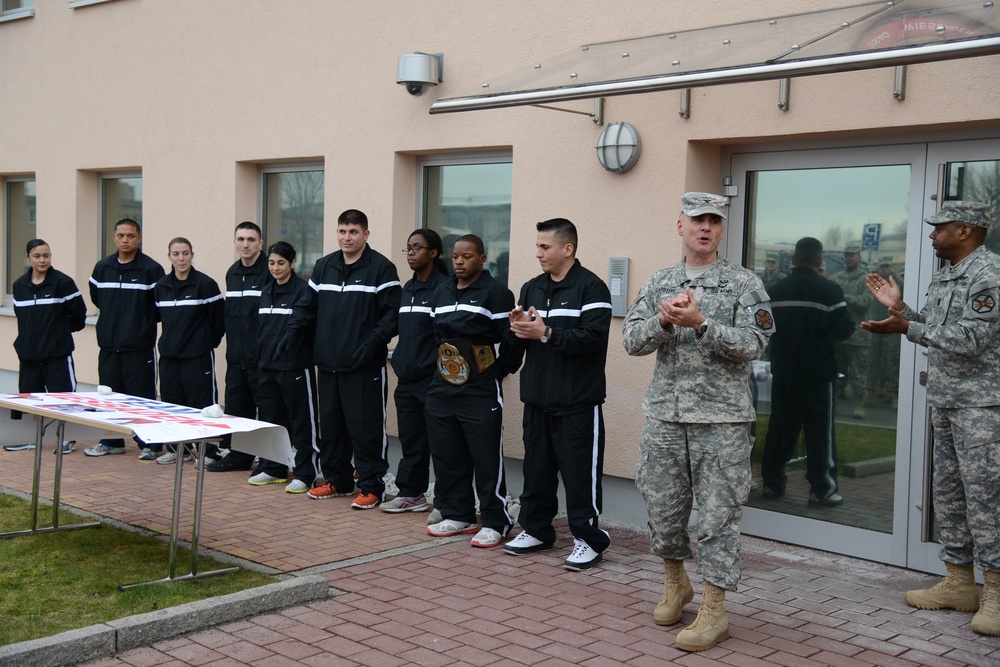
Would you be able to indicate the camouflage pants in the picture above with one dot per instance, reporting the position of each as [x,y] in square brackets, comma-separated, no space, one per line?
[967,485]
[854,361]
[707,463]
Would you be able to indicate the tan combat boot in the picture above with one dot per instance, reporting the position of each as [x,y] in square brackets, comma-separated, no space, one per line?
[956,591]
[711,626]
[987,619]
[677,592]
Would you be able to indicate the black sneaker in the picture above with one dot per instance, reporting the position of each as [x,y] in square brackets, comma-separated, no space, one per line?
[525,544]
[583,557]
[225,465]
[832,500]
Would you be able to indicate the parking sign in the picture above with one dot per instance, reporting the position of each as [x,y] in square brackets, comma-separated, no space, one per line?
[870,236]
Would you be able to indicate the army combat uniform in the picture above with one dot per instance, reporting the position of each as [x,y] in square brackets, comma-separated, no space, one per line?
[695,443]
[960,326]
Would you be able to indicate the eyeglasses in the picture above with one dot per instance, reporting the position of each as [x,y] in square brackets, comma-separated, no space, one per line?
[413,248]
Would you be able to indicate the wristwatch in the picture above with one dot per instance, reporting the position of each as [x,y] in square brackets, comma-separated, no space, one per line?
[702,328]
[545,335]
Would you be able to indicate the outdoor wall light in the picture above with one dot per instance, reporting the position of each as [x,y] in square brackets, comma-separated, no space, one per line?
[418,70]
[618,147]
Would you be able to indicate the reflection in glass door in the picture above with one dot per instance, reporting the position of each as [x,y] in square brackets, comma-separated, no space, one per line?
[860,216]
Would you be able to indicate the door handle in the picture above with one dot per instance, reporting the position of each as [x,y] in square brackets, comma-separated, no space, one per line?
[922,378]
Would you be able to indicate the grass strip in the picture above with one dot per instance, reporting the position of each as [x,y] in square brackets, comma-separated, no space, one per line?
[53,582]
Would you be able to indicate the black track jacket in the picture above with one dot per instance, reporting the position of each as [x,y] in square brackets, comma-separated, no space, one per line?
[192,312]
[566,374]
[415,355]
[287,310]
[47,315]
[243,289]
[357,310]
[124,293]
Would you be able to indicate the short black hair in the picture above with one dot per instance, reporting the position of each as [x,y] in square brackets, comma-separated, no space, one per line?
[252,226]
[809,251]
[472,238]
[564,230]
[129,221]
[353,216]
[32,244]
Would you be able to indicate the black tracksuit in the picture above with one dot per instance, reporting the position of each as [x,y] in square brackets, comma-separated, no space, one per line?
[465,421]
[414,360]
[243,289]
[126,327]
[357,310]
[192,313]
[810,315]
[47,315]
[563,386]
[287,383]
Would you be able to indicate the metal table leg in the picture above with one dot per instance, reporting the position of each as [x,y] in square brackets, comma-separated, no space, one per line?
[36,481]
[198,449]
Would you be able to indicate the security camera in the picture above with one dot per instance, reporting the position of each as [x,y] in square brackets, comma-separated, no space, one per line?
[418,70]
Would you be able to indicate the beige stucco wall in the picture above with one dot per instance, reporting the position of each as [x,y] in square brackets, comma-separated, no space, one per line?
[199,94]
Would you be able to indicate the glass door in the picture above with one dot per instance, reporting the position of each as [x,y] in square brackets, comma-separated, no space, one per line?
[864,205]
[958,170]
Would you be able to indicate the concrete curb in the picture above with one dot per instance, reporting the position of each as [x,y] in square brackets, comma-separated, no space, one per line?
[96,641]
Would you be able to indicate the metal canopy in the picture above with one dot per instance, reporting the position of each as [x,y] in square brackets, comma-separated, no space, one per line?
[880,34]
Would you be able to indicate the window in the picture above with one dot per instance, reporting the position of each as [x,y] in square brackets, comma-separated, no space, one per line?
[292,200]
[121,197]
[19,225]
[470,195]
[16,9]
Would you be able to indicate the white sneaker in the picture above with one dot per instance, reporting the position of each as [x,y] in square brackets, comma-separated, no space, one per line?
[68,446]
[171,457]
[147,454]
[434,517]
[525,544]
[296,486]
[102,449]
[487,537]
[582,558]
[450,527]
[262,479]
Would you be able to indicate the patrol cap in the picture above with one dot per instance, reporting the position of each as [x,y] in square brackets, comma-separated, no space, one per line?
[884,259]
[852,249]
[771,257]
[969,212]
[694,204]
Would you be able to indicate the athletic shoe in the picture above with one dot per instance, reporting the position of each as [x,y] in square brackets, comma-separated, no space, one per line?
[167,458]
[832,500]
[297,486]
[434,517]
[148,454]
[449,527]
[582,558]
[327,490]
[405,504]
[263,479]
[525,544]
[771,492]
[19,448]
[68,446]
[101,449]
[225,465]
[365,501]
[487,537]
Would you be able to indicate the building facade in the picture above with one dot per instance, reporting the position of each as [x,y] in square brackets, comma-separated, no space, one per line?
[192,116]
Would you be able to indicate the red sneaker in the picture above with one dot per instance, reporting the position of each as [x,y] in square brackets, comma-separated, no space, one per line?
[365,501]
[328,490]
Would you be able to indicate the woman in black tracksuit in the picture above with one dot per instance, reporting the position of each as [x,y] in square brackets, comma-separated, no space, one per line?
[287,321]
[49,308]
[414,360]
[191,310]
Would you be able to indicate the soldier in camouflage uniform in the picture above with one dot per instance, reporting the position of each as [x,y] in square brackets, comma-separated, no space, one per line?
[705,319]
[960,327]
[853,354]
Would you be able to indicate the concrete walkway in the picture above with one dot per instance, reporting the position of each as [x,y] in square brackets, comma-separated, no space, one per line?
[405,598]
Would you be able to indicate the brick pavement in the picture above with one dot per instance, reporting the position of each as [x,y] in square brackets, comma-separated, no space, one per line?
[445,603]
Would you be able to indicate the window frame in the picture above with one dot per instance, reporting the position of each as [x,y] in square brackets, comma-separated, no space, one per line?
[470,158]
[16,13]
[102,178]
[284,168]
[5,182]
